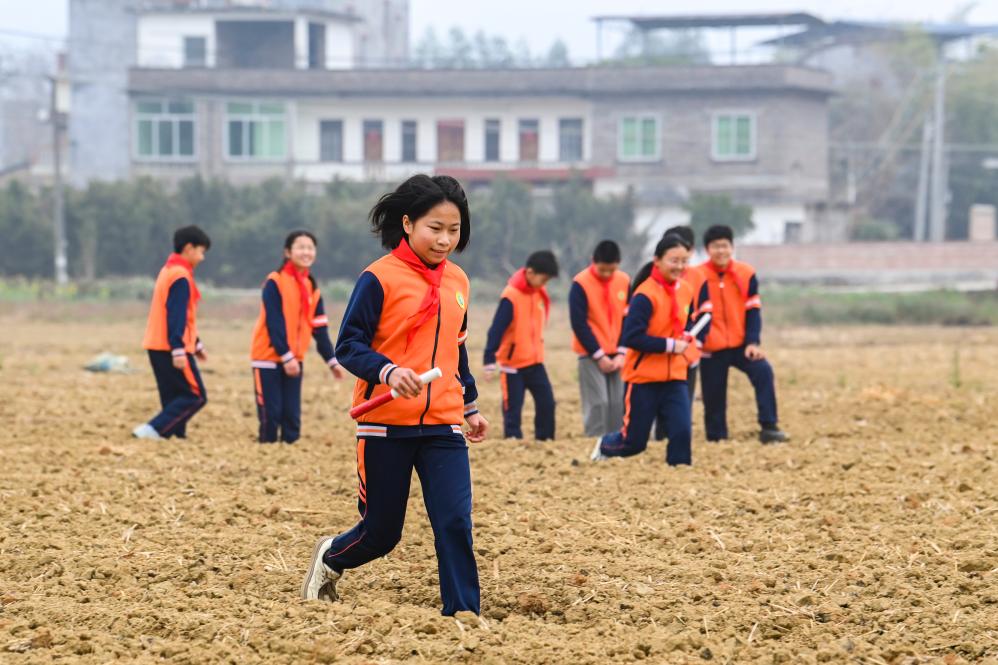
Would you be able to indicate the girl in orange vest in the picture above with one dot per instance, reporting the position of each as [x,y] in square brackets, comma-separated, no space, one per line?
[515,345]
[172,340]
[655,367]
[597,301]
[409,313]
[735,339]
[291,315]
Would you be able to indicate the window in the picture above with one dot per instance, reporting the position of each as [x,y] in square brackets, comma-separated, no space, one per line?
[492,128]
[164,130]
[195,52]
[570,139]
[793,232]
[408,140]
[529,140]
[638,139]
[374,141]
[733,136]
[255,131]
[331,140]
[450,140]
[316,46]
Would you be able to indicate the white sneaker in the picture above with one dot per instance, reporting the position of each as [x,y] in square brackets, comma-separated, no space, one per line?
[146,431]
[320,580]
[597,454]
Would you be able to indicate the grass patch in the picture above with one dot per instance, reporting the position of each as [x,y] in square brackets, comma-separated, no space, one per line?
[810,307]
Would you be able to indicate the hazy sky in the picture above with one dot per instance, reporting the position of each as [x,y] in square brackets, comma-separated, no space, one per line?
[540,22]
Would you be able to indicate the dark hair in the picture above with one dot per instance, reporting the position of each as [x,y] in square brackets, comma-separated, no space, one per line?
[607,251]
[190,235]
[718,232]
[415,197]
[669,241]
[683,231]
[543,262]
[643,274]
[290,240]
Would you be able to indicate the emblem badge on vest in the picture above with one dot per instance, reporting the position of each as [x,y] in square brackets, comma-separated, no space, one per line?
[460,300]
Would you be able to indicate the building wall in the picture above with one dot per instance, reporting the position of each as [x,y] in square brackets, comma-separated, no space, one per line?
[102,38]
[426,113]
[791,143]
[770,221]
[340,47]
[161,38]
[939,264]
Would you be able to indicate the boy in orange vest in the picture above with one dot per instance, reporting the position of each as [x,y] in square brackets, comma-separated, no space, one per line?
[515,346]
[408,314]
[734,339]
[656,335]
[171,338]
[291,315]
[596,304]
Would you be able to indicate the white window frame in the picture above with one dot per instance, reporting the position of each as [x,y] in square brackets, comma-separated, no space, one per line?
[256,116]
[156,118]
[715,117]
[640,118]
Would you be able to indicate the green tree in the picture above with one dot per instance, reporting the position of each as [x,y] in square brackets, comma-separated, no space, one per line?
[26,229]
[972,120]
[706,210]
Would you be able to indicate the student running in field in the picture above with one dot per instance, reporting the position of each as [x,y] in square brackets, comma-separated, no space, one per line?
[172,341]
[409,313]
[597,301]
[656,335]
[735,339]
[291,315]
[515,346]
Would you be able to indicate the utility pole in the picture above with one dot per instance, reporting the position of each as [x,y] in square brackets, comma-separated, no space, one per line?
[58,211]
[922,195]
[940,185]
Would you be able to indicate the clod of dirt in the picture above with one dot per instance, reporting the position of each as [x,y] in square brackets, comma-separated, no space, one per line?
[532,603]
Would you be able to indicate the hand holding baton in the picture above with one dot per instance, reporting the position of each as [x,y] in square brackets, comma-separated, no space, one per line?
[381,400]
[701,323]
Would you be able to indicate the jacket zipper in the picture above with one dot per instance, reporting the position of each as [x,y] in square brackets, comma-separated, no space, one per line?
[433,362]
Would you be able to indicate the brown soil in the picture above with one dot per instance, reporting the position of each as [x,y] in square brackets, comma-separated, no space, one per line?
[871,538]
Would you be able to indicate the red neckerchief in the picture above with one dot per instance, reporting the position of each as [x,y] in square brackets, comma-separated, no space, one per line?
[177,260]
[519,282]
[306,298]
[433,276]
[735,277]
[605,283]
[670,288]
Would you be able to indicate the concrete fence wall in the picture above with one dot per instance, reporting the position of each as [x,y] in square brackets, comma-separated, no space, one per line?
[944,264]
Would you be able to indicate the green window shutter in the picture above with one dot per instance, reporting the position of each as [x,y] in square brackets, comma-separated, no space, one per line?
[275,136]
[145,138]
[649,137]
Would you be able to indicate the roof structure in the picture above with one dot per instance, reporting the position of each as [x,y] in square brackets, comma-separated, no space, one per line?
[245,10]
[816,31]
[583,81]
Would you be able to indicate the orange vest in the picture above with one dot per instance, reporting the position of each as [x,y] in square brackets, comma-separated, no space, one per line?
[605,319]
[436,344]
[643,367]
[727,328]
[522,344]
[157,336]
[298,321]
